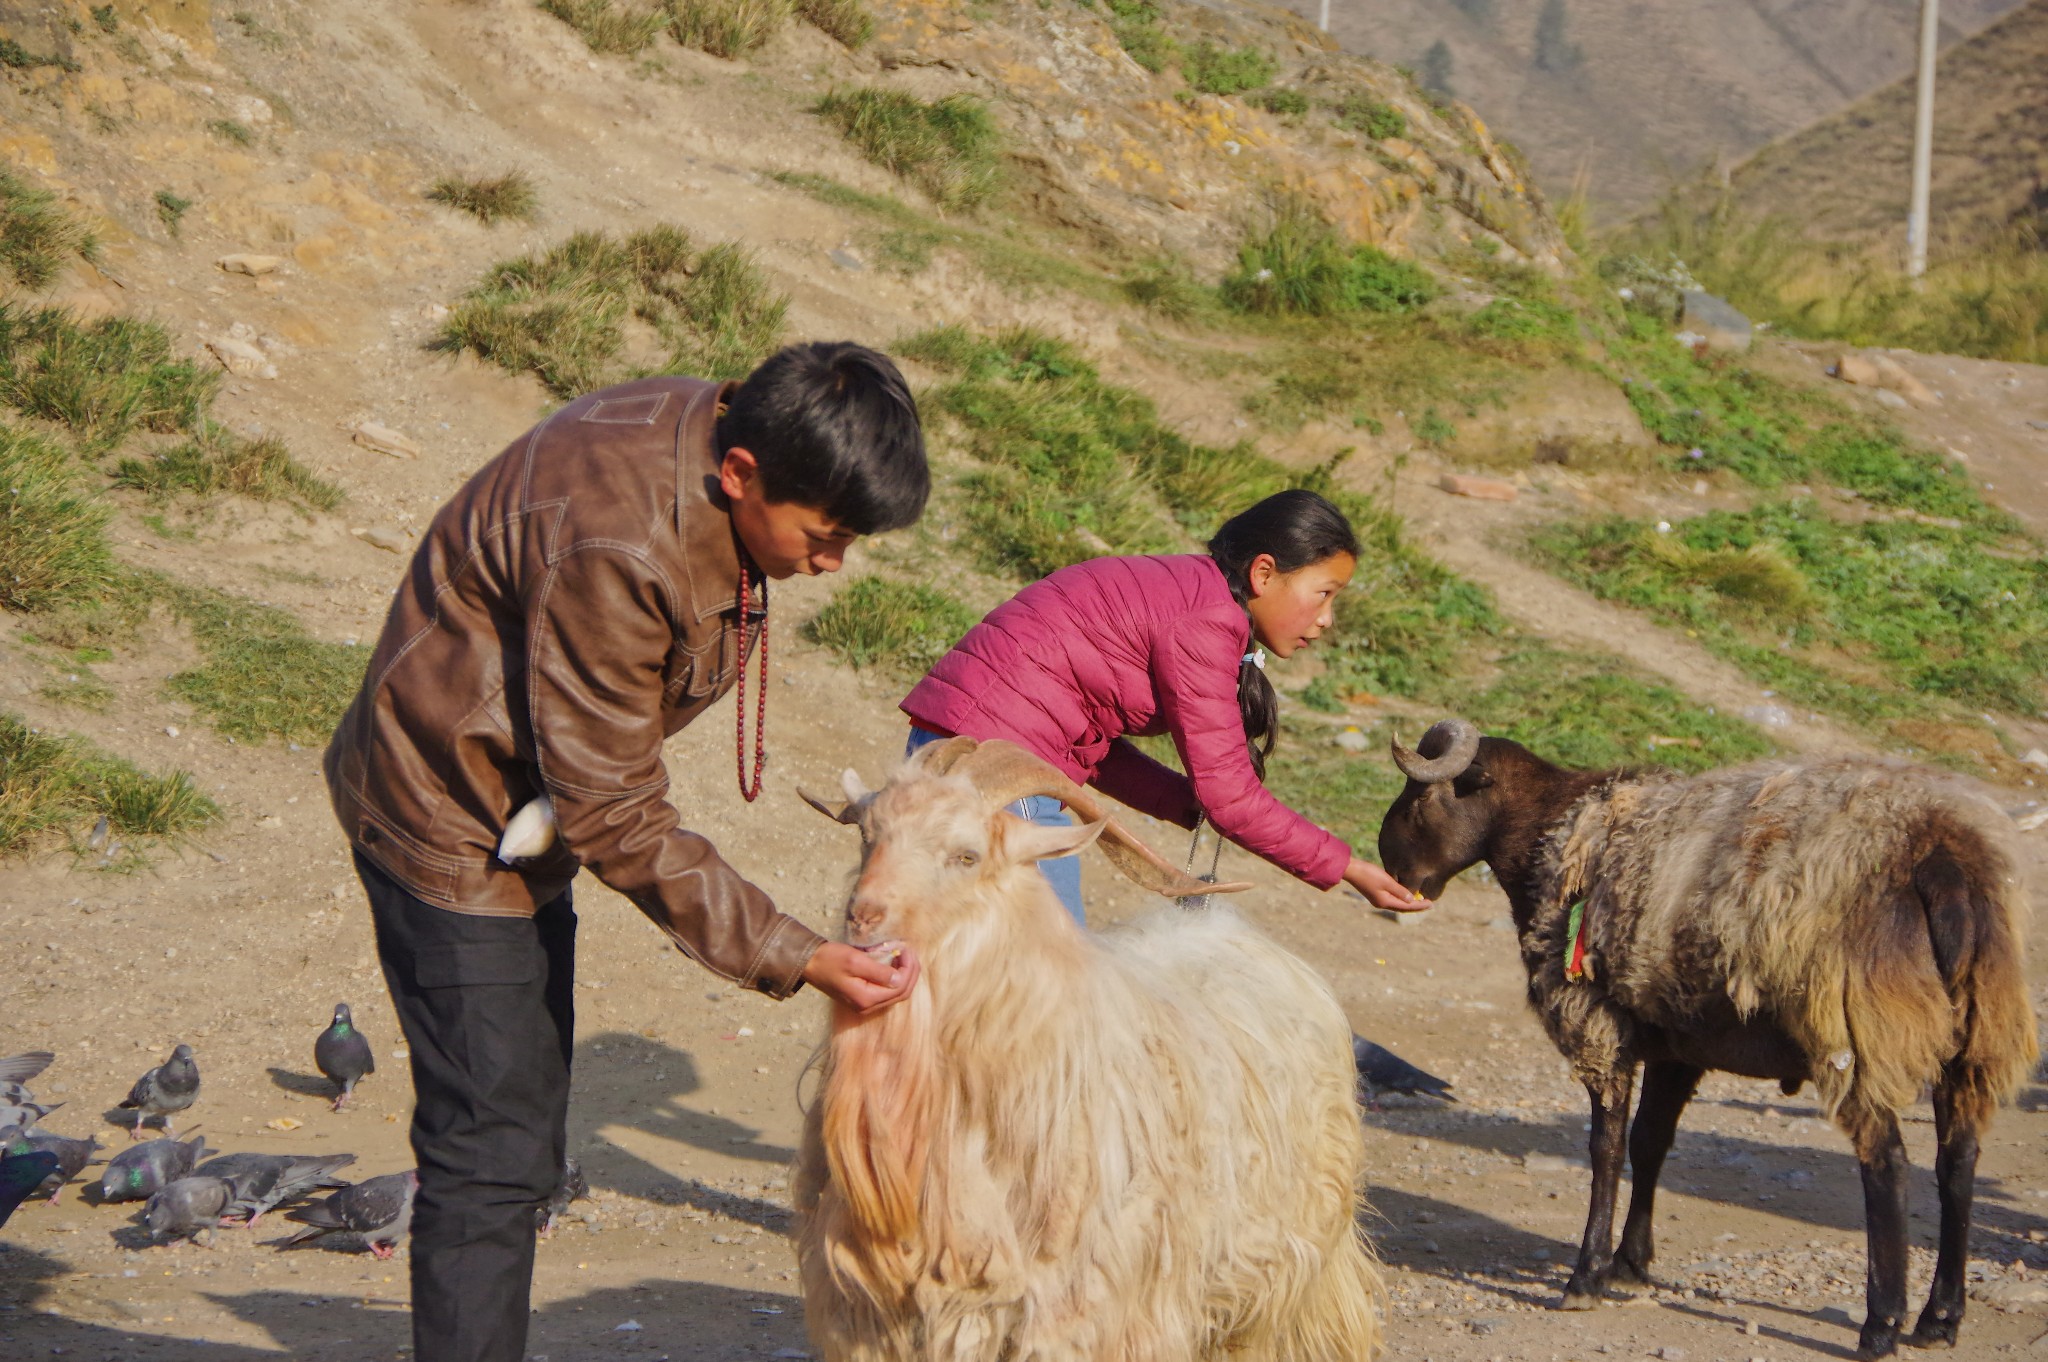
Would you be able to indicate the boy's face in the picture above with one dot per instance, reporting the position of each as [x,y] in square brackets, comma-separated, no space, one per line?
[786,538]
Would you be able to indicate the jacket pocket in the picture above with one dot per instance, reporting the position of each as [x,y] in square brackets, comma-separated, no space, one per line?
[465,963]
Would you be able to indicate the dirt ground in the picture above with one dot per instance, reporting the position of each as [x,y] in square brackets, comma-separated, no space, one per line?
[687,1093]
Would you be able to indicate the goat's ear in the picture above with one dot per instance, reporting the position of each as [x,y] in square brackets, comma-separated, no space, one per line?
[856,789]
[1024,841]
[838,810]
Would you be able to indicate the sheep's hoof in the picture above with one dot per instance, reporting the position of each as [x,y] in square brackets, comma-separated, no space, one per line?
[1880,1338]
[1936,1329]
[1577,1297]
[1628,1277]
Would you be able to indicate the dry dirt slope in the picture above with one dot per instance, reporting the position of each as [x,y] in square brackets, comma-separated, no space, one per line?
[686,1093]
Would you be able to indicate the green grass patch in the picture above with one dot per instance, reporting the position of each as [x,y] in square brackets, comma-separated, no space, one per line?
[1299,263]
[847,22]
[16,57]
[102,379]
[1370,366]
[51,784]
[726,28]
[561,315]
[498,198]
[1167,286]
[1866,622]
[217,461]
[950,148]
[900,627]
[1361,112]
[1140,29]
[1284,101]
[53,527]
[262,675]
[228,130]
[1217,70]
[609,27]
[171,209]
[1717,412]
[37,238]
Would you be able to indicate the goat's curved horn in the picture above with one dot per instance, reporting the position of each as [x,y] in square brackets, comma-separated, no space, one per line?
[1005,773]
[939,758]
[1459,743]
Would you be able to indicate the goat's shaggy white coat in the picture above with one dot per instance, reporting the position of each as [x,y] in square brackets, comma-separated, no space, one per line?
[1141,1145]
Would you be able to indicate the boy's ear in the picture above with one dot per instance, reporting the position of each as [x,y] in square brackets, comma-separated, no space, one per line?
[738,473]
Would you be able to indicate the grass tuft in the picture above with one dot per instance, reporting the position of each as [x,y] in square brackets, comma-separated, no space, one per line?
[1300,263]
[900,627]
[53,528]
[508,197]
[262,675]
[217,461]
[1140,29]
[52,784]
[171,209]
[1217,70]
[103,378]
[609,28]
[731,28]
[846,22]
[1363,113]
[561,315]
[228,130]
[950,148]
[37,238]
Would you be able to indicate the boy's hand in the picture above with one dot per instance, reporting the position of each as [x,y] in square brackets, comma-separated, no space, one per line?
[857,980]
[1382,890]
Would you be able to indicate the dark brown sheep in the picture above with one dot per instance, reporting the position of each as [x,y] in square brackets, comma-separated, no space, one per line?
[1846,922]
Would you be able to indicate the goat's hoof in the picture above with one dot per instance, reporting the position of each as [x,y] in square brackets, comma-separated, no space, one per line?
[1880,1338]
[1577,1297]
[1629,1276]
[1937,1328]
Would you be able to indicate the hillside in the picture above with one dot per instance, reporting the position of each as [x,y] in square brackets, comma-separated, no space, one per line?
[1641,95]
[276,276]
[1847,177]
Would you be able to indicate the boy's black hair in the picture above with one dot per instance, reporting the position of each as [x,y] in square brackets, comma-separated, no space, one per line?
[833,426]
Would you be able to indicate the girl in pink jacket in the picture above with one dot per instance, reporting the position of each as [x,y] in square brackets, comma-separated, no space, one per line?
[1073,665]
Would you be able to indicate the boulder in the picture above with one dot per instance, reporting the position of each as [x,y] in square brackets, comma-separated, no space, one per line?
[1858,369]
[241,358]
[244,263]
[1719,326]
[1896,378]
[385,440]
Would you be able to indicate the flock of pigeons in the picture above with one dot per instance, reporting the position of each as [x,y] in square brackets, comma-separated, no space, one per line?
[187,1189]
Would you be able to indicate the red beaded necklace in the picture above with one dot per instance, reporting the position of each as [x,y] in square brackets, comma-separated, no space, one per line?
[752,792]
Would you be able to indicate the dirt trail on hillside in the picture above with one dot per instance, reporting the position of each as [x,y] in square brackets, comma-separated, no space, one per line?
[686,1101]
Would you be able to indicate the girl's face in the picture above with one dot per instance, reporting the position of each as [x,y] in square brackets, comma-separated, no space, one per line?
[1290,610]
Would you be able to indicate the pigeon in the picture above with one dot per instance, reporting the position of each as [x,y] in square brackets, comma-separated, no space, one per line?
[1381,1070]
[20,1175]
[343,1055]
[186,1207]
[379,1209]
[138,1171]
[262,1182]
[572,1188]
[169,1087]
[72,1155]
[26,1114]
[22,1067]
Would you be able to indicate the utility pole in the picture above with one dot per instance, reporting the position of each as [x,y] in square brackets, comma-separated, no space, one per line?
[1324,22]
[1923,140]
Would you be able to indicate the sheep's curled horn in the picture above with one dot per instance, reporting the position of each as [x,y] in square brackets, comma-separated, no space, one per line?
[1004,773]
[1456,741]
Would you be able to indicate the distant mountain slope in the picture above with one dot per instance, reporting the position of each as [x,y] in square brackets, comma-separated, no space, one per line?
[1641,93]
[1848,175]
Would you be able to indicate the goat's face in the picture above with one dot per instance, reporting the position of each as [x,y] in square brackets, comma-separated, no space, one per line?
[935,859]
[1444,817]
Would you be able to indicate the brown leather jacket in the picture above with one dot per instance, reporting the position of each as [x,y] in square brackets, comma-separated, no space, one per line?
[572,606]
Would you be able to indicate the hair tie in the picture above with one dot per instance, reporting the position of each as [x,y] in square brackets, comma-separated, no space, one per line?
[1257,657]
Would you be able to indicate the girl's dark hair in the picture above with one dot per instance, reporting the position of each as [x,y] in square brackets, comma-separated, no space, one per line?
[1297,528]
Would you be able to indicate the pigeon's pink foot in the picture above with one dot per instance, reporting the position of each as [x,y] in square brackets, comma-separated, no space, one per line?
[383,1250]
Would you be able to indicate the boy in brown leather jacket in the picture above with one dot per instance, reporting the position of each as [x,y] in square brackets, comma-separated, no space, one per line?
[586,594]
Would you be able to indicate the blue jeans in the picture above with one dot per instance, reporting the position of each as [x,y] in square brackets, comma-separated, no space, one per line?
[1063,873]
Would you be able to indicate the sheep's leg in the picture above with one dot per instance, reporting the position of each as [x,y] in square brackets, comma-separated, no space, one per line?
[1667,1087]
[1883,1156]
[1610,1138]
[1955,1173]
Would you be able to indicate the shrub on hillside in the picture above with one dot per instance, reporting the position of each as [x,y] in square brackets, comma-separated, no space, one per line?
[1217,70]
[726,28]
[949,147]
[53,527]
[1301,263]
[37,238]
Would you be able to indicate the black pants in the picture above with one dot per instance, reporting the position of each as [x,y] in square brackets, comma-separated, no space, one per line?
[488,1013]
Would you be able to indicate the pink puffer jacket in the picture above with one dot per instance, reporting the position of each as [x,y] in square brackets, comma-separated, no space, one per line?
[1114,646]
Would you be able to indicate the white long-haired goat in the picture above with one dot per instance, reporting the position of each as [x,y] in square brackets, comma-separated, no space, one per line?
[1141,1145]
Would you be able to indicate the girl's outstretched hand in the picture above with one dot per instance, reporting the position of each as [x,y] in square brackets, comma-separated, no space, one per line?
[1382,890]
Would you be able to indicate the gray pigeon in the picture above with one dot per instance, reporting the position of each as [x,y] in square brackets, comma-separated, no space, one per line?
[571,1188]
[72,1155]
[171,1086]
[20,1175]
[26,1114]
[185,1208]
[22,1067]
[137,1172]
[262,1182]
[343,1055]
[380,1210]
[1381,1070]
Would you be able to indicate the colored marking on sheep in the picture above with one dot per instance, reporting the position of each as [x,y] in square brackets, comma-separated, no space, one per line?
[1576,969]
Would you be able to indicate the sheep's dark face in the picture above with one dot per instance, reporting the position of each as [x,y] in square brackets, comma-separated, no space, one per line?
[1438,828]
